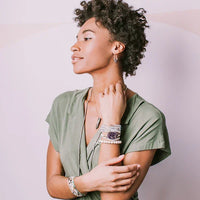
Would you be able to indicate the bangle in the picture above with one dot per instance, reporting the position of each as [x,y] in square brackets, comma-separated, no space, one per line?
[72,187]
[110,142]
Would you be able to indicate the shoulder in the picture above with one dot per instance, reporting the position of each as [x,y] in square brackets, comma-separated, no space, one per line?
[65,96]
[146,129]
[148,110]
[66,100]
[142,111]
[69,96]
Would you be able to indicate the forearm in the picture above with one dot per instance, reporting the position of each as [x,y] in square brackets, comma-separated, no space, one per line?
[58,186]
[108,151]
[111,132]
[144,159]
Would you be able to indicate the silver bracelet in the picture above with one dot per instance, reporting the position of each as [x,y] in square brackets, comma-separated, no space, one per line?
[110,142]
[113,128]
[72,187]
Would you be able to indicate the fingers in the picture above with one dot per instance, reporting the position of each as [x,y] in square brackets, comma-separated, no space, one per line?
[110,89]
[121,188]
[119,87]
[118,178]
[126,172]
[106,91]
[126,175]
[123,184]
[113,88]
[128,181]
[126,168]
[114,161]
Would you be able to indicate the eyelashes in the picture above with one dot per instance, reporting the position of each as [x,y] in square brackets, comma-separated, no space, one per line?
[84,39]
[87,38]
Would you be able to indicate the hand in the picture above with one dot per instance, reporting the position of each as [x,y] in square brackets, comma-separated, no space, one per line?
[112,104]
[108,178]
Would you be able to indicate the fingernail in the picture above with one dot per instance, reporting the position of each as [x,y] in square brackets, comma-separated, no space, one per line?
[121,156]
[138,166]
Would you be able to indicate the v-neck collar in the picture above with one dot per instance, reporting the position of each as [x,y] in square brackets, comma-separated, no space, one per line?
[125,119]
[86,151]
[135,100]
[94,141]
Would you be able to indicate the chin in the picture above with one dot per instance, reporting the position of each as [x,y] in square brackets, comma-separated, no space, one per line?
[83,69]
[79,71]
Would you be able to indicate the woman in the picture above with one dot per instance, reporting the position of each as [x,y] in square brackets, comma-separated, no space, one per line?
[90,128]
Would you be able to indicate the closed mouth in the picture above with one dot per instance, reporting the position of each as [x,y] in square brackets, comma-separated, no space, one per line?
[76,58]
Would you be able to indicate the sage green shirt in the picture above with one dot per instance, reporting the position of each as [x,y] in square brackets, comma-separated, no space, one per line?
[143,128]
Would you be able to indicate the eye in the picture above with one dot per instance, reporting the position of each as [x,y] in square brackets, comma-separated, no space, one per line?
[87,38]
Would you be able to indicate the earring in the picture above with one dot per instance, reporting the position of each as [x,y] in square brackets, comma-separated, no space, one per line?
[115,58]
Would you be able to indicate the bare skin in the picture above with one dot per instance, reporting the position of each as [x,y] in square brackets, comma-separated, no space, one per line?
[115,177]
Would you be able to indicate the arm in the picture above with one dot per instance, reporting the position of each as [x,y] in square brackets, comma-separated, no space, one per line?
[112,106]
[143,158]
[56,182]
[99,179]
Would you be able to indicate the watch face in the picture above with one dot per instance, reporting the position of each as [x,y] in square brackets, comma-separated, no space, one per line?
[112,135]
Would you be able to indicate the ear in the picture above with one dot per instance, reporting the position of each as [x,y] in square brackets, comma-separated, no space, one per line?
[118,47]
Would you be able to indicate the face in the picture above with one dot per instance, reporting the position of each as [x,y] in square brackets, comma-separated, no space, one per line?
[93,49]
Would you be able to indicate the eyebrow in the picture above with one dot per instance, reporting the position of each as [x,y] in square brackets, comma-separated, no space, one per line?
[84,31]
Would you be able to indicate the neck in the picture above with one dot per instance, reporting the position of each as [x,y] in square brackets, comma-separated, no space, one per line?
[103,80]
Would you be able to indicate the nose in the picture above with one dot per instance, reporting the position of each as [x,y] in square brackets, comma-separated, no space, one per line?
[75,47]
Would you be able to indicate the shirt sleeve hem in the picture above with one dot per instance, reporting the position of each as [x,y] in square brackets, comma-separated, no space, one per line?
[160,146]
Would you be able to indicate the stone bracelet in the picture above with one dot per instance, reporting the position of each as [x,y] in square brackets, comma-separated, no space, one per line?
[112,136]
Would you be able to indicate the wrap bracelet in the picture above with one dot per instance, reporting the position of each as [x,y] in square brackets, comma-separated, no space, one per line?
[110,128]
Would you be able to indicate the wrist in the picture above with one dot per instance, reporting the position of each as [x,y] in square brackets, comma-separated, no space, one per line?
[110,134]
[73,187]
[111,122]
[83,184]
[80,184]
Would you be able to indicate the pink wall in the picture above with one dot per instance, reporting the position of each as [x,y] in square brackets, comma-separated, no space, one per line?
[35,67]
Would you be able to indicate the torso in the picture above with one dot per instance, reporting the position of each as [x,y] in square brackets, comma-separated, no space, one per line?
[92,116]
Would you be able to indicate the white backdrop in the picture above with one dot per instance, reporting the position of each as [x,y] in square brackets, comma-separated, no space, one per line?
[35,66]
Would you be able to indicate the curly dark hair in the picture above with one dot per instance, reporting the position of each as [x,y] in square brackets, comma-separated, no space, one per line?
[125,24]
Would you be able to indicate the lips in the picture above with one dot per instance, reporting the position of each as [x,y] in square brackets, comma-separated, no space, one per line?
[76,58]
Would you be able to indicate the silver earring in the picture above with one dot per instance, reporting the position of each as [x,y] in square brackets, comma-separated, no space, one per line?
[115,58]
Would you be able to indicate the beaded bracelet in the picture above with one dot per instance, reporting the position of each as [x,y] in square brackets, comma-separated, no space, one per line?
[72,187]
[110,142]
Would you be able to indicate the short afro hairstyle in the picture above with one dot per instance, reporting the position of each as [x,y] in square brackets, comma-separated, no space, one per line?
[125,24]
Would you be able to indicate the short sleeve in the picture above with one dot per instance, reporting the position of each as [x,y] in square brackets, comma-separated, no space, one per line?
[151,133]
[53,131]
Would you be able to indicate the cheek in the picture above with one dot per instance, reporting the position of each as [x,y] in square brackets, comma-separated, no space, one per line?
[98,56]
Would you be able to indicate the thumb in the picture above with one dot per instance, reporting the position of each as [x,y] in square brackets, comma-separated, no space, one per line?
[114,161]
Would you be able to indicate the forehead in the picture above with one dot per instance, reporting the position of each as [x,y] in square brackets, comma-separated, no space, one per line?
[91,24]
